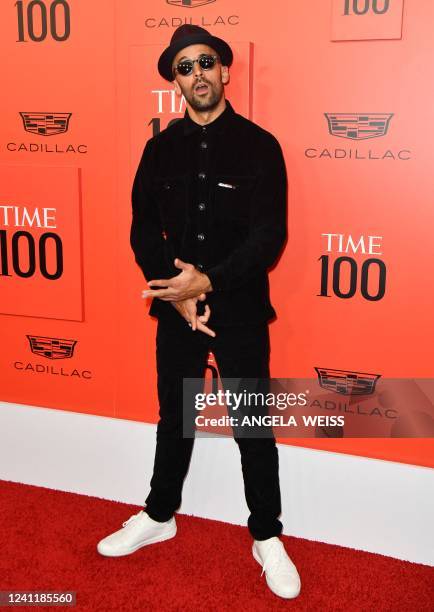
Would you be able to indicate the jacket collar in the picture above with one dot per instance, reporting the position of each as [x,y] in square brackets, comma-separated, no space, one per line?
[217,125]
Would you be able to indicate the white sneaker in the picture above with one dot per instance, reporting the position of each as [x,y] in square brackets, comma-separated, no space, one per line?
[139,530]
[280,572]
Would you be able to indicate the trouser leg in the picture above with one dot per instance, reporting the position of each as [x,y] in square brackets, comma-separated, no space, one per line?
[244,352]
[180,353]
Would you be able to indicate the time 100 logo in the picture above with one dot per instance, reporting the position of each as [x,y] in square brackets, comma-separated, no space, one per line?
[37,18]
[361,7]
[372,274]
[24,255]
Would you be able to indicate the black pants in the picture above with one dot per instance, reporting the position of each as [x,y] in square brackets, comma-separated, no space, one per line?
[182,353]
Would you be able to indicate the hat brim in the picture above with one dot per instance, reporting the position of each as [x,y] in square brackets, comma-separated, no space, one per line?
[168,55]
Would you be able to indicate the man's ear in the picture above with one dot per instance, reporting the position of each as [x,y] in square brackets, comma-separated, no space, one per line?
[177,88]
[225,75]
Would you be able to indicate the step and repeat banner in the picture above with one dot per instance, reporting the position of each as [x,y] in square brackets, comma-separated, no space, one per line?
[342,84]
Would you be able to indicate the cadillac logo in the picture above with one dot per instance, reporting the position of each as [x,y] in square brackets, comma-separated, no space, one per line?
[358,126]
[189,3]
[346,382]
[51,348]
[46,124]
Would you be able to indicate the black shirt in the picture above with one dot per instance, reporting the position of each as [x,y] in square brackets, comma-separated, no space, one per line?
[214,196]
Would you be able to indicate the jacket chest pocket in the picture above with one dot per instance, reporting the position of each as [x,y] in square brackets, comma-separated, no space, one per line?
[232,197]
[172,200]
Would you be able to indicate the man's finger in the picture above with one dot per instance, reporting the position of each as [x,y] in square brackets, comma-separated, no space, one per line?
[163,282]
[206,330]
[204,318]
[183,265]
[164,294]
[193,322]
[201,297]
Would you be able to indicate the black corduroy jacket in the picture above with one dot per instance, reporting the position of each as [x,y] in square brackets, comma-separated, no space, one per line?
[214,196]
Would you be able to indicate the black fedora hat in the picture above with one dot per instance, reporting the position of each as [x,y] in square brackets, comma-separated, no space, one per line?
[187,35]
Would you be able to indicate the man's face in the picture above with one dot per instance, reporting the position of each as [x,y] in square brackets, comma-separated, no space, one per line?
[203,89]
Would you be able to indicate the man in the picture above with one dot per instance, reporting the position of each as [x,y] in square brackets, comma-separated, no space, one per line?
[209,219]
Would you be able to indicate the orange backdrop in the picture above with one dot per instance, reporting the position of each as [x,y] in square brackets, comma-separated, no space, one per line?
[341,83]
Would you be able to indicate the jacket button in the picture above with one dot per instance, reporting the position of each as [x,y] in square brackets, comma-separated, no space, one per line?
[201,206]
[203,145]
[202,175]
[201,236]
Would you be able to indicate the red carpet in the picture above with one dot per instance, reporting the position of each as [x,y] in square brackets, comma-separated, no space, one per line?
[49,537]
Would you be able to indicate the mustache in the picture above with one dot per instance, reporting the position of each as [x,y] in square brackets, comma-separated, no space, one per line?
[201,82]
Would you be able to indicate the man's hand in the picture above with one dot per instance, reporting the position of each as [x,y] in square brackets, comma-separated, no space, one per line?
[188,310]
[190,283]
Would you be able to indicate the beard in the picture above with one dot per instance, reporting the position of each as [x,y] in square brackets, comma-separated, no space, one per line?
[204,103]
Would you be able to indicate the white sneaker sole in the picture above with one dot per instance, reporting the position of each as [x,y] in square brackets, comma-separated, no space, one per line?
[283,595]
[160,538]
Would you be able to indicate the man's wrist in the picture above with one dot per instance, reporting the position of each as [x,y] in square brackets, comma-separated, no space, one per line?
[216,277]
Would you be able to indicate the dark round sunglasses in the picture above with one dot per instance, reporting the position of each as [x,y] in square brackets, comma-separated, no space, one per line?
[206,62]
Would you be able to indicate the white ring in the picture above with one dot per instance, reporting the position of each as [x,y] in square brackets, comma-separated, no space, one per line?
[190,324]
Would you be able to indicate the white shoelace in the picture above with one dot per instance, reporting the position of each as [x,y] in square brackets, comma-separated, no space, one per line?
[274,557]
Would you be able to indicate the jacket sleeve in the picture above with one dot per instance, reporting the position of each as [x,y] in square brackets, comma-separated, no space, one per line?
[146,234]
[267,226]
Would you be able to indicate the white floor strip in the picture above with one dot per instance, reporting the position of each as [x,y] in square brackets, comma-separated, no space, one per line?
[362,503]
